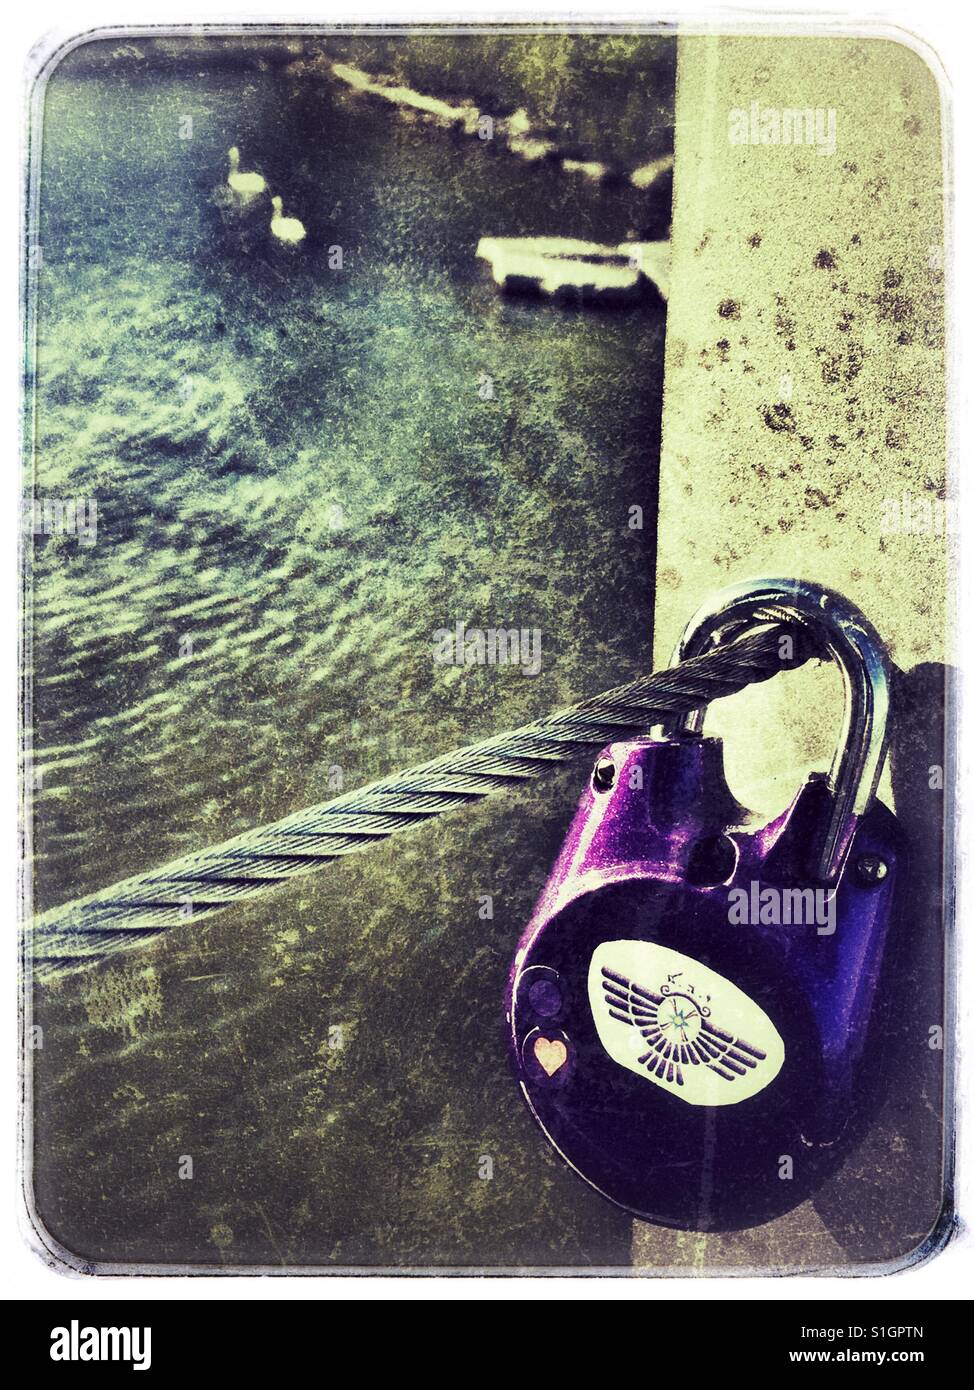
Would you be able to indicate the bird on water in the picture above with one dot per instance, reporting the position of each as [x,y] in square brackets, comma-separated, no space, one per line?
[288,230]
[245,187]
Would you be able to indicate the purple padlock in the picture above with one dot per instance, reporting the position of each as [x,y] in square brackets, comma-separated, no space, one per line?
[692,1002]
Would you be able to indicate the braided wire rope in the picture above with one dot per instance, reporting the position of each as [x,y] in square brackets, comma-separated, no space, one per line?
[135,911]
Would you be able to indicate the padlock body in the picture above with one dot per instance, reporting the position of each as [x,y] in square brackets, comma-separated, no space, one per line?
[689,1053]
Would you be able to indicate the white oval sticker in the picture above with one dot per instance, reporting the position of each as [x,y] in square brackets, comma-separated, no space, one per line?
[680,1025]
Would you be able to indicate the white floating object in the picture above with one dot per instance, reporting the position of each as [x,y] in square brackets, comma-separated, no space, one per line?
[288,230]
[555,247]
[530,148]
[647,174]
[589,168]
[519,123]
[246,188]
[565,267]
[441,112]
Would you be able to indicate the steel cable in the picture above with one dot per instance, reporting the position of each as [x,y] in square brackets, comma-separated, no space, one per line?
[132,912]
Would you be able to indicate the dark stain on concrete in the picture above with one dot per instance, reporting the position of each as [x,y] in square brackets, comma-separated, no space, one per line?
[779,418]
[894,308]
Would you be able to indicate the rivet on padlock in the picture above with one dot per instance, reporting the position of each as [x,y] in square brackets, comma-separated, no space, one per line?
[693,997]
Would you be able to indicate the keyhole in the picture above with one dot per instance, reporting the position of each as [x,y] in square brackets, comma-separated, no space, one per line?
[711,861]
[604,774]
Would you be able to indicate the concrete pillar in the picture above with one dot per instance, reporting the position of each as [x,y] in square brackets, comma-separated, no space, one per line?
[804,434]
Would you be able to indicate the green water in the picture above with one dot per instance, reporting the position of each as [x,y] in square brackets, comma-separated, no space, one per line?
[300,477]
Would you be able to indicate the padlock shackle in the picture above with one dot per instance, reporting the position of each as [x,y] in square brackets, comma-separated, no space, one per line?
[853,643]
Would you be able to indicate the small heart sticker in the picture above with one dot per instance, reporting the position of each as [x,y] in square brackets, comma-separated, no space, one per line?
[551,1053]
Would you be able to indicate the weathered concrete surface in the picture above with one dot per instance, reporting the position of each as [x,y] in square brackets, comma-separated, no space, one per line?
[804,395]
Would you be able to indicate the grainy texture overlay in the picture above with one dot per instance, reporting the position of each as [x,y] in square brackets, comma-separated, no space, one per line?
[290,430]
[302,472]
